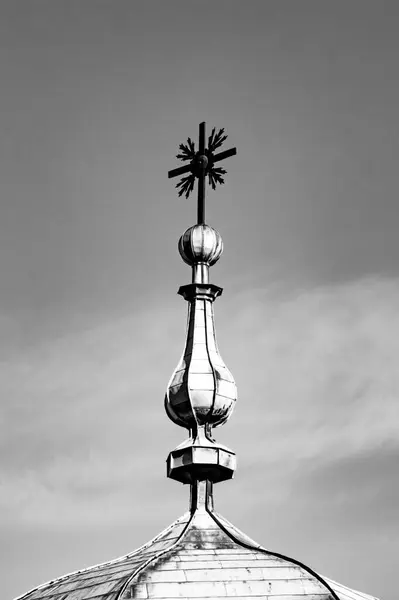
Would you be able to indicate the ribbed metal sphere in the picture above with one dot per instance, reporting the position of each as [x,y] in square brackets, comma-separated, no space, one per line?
[201,244]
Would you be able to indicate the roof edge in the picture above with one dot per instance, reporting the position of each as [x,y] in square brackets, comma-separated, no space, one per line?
[107,562]
[249,546]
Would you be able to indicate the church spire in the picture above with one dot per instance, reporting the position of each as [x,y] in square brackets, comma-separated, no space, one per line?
[201,393]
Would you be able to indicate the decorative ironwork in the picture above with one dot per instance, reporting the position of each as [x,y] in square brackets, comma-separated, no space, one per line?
[201,166]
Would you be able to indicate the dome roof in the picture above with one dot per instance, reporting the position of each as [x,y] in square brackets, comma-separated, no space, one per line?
[201,555]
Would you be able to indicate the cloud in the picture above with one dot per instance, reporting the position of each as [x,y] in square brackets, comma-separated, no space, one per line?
[319,367]
[84,435]
[77,416]
[363,488]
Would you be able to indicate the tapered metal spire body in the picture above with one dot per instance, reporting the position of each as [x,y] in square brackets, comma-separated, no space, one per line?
[201,393]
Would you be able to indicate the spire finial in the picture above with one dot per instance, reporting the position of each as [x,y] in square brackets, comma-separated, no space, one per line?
[201,393]
[202,165]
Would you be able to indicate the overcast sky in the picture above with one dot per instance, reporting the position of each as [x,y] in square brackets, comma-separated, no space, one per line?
[95,98]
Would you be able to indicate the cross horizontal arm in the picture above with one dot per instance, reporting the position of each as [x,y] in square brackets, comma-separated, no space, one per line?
[187,168]
[225,154]
[179,171]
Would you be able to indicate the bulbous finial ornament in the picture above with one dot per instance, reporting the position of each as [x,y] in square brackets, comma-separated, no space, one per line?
[196,399]
[201,394]
[200,244]
[202,391]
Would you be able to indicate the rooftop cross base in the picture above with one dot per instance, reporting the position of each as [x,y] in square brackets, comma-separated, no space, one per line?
[201,393]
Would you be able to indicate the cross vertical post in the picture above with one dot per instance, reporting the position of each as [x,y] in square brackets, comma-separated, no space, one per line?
[201,175]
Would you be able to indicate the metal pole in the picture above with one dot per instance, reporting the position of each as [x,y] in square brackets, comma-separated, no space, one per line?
[201,178]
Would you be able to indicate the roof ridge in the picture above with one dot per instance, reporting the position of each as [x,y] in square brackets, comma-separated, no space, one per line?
[153,558]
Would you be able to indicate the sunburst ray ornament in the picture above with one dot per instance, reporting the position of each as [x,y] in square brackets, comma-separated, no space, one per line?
[201,166]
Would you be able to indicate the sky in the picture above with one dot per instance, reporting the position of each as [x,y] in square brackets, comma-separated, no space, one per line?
[95,98]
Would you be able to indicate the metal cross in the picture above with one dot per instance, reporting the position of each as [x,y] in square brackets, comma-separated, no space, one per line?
[201,166]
